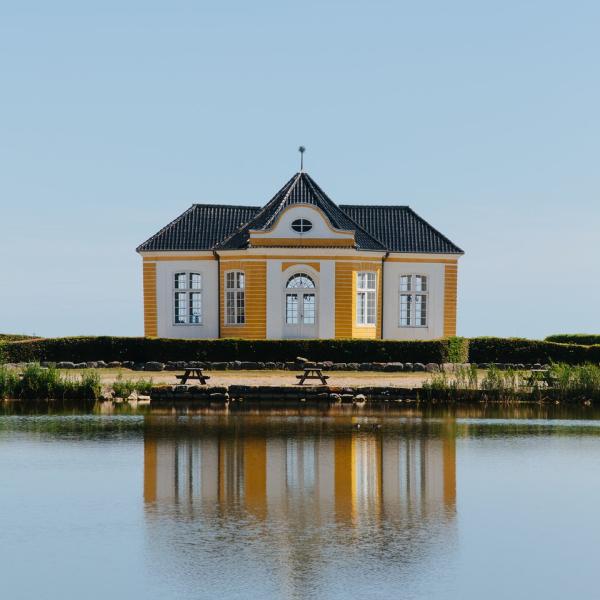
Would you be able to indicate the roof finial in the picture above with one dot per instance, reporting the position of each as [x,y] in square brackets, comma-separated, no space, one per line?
[302,150]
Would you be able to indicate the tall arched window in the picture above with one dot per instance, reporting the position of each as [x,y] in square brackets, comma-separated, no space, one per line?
[235,300]
[187,298]
[300,301]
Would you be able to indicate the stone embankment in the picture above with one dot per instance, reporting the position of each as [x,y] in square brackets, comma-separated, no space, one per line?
[183,395]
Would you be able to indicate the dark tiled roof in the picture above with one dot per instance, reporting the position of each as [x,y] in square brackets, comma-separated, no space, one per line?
[221,226]
[400,229]
[200,227]
[301,189]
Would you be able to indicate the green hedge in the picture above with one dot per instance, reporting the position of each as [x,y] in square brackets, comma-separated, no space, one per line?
[15,337]
[81,349]
[586,339]
[517,350]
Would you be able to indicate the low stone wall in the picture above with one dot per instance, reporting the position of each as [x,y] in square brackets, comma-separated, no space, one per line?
[178,395]
[237,365]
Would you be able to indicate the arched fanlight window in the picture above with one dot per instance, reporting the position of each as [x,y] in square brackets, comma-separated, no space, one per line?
[300,280]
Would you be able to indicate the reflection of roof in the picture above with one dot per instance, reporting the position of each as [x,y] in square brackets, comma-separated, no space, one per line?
[227,227]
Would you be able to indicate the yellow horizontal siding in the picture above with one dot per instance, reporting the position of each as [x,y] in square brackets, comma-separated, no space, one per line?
[450,300]
[345,300]
[349,257]
[255,272]
[315,265]
[150,306]
[302,242]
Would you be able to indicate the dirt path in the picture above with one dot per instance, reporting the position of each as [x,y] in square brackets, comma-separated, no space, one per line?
[343,378]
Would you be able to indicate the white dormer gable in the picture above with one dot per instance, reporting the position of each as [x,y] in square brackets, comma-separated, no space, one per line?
[302,221]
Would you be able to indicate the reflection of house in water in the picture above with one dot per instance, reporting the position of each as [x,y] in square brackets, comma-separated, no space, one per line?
[348,475]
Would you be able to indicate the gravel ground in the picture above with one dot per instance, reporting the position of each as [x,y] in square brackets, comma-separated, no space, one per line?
[343,378]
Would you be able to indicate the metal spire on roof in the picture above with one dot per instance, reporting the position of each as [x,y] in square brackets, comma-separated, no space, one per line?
[302,150]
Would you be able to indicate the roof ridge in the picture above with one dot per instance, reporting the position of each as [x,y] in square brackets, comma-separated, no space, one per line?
[173,222]
[375,206]
[225,205]
[338,207]
[254,217]
[285,197]
[420,218]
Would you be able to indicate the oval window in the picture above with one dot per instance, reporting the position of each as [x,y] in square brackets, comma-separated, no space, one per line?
[301,225]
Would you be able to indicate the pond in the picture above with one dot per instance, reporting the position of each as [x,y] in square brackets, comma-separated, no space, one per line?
[335,504]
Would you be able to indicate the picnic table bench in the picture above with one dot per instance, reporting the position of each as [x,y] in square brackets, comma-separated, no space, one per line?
[193,373]
[312,373]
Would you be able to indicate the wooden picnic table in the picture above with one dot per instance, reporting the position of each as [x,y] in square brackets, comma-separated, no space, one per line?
[312,373]
[193,373]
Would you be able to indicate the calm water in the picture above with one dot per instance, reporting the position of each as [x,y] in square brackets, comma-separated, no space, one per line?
[501,504]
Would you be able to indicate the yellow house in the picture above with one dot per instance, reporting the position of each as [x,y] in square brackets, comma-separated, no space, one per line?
[300,267]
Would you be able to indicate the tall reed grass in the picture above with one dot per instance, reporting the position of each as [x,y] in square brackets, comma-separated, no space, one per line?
[123,388]
[563,382]
[40,383]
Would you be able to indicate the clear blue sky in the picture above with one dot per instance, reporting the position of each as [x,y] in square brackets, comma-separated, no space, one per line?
[117,115]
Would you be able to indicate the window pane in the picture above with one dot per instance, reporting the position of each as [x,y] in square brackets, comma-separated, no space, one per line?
[300,280]
[405,310]
[371,308]
[240,308]
[179,281]
[240,279]
[291,309]
[195,281]
[371,281]
[405,283]
[421,310]
[230,280]
[420,283]
[195,307]
[230,309]
[360,280]
[309,309]
[180,307]
[360,308]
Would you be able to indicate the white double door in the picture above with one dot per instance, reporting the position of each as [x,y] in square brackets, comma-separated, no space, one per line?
[300,313]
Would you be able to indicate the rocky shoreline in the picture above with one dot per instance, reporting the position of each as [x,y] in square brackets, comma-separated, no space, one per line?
[237,365]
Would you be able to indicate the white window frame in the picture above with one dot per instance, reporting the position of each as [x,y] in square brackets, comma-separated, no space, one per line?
[304,224]
[415,296]
[188,291]
[366,299]
[236,293]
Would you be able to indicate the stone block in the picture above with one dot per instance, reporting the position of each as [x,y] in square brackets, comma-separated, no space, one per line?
[154,366]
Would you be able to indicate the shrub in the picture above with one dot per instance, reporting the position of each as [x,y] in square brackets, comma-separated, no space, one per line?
[517,350]
[144,386]
[571,383]
[586,339]
[9,381]
[37,383]
[458,350]
[123,388]
[159,349]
